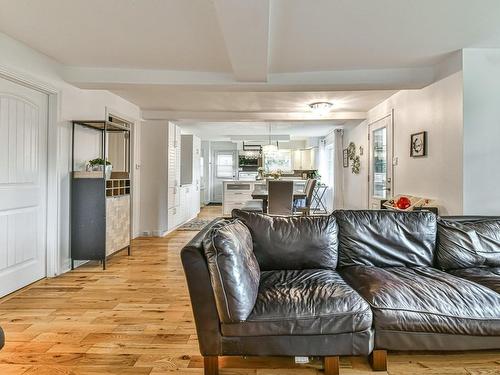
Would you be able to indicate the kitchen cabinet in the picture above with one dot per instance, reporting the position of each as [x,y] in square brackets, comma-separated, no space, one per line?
[305,159]
[165,204]
[190,176]
[183,176]
[173,174]
[297,160]
[236,194]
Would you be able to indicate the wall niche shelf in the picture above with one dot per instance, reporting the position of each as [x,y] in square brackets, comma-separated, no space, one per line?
[100,206]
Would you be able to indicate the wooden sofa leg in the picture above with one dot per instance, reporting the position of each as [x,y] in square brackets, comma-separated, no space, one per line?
[211,365]
[331,365]
[378,360]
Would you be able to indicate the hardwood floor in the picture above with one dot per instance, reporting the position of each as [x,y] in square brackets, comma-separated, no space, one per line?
[135,318]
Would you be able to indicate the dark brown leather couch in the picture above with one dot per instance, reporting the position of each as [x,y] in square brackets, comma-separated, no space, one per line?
[352,283]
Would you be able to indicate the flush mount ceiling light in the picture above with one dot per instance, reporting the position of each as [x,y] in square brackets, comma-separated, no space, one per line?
[321,108]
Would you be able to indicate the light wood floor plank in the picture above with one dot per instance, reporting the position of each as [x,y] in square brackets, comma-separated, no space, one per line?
[135,319]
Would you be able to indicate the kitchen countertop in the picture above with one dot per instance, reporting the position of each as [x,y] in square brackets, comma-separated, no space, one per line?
[264,181]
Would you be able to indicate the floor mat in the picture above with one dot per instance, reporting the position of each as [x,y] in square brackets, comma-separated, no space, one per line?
[196,224]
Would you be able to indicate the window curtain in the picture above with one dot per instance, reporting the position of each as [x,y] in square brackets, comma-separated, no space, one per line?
[338,170]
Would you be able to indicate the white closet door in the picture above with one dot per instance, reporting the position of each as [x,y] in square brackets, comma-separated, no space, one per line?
[177,161]
[23,180]
[172,184]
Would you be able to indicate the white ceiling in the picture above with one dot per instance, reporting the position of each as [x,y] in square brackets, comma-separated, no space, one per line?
[324,35]
[296,130]
[304,36]
[149,34]
[164,97]
[260,60]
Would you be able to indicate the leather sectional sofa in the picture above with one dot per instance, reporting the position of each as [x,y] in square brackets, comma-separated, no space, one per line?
[351,283]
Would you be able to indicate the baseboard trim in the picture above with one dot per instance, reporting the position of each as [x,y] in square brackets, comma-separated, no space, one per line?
[163,233]
[159,233]
[66,267]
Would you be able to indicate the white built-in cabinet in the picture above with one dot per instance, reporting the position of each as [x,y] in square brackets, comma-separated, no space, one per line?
[236,194]
[166,202]
[190,177]
[305,159]
[173,175]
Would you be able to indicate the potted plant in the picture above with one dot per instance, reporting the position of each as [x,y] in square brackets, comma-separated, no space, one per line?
[100,164]
[276,174]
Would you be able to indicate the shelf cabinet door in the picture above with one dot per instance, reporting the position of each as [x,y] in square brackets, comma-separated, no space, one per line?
[88,219]
[117,223]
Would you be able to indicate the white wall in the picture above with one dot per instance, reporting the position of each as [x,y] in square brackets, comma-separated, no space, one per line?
[322,163]
[16,59]
[154,189]
[436,109]
[356,185]
[481,177]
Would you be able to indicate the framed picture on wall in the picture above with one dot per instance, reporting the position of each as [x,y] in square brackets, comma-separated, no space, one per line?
[418,144]
[345,158]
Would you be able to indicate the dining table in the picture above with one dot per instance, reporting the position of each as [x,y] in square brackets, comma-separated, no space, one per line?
[261,192]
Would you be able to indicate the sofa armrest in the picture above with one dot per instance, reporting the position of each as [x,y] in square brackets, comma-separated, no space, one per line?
[201,294]
[233,269]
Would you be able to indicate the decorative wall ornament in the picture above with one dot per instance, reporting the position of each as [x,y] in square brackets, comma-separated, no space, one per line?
[351,155]
[418,144]
[351,150]
[356,164]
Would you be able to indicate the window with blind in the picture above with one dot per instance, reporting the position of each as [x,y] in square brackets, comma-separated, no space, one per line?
[224,166]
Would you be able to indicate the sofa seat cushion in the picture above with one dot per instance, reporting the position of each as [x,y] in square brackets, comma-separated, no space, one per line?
[489,277]
[426,300]
[306,302]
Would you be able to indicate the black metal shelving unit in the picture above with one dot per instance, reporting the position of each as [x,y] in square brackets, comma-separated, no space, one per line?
[89,191]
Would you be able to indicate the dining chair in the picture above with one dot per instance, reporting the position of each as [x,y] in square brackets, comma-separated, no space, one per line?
[306,209]
[280,197]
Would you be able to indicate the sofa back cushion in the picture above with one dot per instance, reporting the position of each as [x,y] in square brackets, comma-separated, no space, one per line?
[234,271]
[468,243]
[386,238]
[292,243]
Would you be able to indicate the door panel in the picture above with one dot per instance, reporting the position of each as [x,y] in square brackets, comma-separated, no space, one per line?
[23,169]
[173,169]
[224,169]
[381,156]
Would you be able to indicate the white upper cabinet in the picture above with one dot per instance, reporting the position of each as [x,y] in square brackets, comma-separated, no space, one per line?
[304,159]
